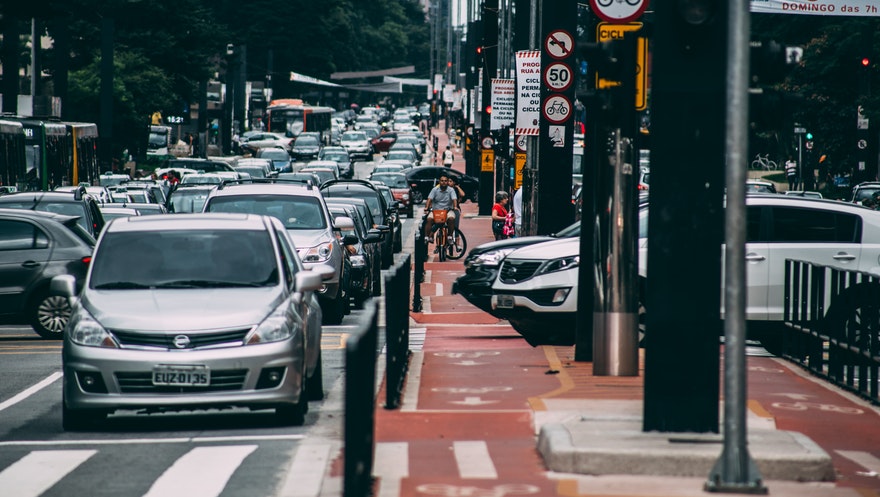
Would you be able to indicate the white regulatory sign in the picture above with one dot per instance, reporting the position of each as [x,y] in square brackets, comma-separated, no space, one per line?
[559,44]
[618,11]
[558,76]
[557,109]
[521,143]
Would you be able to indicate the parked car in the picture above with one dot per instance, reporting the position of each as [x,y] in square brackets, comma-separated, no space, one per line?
[35,246]
[375,201]
[255,168]
[77,203]
[394,217]
[423,179]
[132,342]
[399,188]
[357,144]
[375,249]
[303,212]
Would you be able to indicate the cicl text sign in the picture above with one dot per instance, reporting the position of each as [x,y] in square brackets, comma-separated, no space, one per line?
[528,93]
[503,103]
[609,32]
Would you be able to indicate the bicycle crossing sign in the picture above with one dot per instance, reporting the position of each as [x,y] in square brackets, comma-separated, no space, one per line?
[557,109]
[618,11]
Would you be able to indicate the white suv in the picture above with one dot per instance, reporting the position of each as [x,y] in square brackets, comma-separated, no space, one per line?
[536,291]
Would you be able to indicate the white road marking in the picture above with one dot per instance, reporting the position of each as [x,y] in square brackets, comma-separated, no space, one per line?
[438,289]
[865,459]
[31,390]
[149,441]
[391,465]
[413,380]
[201,472]
[473,460]
[36,472]
[306,471]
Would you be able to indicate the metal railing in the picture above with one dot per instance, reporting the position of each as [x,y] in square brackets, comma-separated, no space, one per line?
[832,325]
[397,283]
[420,253]
[360,404]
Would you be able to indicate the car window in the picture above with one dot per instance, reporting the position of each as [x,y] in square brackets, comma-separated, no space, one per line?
[19,235]
[371,197]
[791,224]
[307,141]
[188,200]
[288,259]
[184,259]
[293,211]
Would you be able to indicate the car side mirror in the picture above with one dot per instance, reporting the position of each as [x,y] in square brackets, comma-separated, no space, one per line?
[309,281]
[349,240]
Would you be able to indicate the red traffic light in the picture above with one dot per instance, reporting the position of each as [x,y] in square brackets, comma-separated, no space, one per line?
[479,50]
[866,62]
[488,109]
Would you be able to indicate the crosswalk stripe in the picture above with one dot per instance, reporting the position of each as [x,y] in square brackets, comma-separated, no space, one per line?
[391,465]
[306,473]
[473,460]
[866,459]
[31,390]
[201,472]
[36,472]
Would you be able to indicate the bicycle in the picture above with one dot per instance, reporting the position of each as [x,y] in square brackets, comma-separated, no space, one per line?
[458,247]
[440,232]
[765,163]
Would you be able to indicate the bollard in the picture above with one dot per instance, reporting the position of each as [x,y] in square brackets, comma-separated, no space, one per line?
[396,332]
[420,251]
[359,411]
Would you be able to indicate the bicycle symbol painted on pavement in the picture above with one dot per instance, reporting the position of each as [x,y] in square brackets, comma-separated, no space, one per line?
[803,406]
[445,490]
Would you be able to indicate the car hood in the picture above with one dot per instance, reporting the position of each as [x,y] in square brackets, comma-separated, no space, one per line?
[181,310]
[548,250]
[520,241]
[308,238]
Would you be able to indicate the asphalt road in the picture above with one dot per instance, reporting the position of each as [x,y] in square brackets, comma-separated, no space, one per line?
[233,452]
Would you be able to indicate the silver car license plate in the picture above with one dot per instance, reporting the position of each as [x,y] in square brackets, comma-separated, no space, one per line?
[505,302]
[194,375]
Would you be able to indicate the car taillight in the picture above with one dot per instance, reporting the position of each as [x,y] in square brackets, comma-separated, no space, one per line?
[86,260]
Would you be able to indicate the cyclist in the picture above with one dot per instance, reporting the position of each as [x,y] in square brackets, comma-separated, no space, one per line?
[442,197]
[459,193]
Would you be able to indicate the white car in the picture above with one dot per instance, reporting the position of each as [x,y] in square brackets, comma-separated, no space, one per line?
[536,290]
[358,145]
[781,227]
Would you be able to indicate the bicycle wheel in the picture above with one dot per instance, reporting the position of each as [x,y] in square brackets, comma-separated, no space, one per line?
[458,247]
[440,242]
[772,165]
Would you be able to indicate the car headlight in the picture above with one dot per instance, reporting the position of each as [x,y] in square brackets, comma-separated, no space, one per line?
[84,330]
[561,264]
[490,259]
[318,253]
[274,328]
[358,261]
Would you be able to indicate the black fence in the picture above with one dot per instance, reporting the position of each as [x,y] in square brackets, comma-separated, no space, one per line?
[397,283]
[832,319]
[420,252]
[360,404]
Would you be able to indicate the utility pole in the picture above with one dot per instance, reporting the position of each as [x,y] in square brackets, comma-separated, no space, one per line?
[490,65]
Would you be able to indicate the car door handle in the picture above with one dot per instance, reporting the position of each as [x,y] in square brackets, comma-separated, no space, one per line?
[30,264]
[843,256]
[755,257]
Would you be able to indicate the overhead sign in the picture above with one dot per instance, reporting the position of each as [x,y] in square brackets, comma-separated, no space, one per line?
[528,93]
[558,76]
[618,11]
[606,31]
[856,8]
[503,103]
[559,44]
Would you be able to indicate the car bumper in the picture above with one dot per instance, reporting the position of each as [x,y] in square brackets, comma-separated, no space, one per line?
[237,377]
[476,287]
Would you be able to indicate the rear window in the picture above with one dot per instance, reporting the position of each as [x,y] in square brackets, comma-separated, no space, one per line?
[303,213]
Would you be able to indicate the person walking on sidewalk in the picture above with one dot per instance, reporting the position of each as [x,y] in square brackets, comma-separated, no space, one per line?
[517,211]
[499,215]
[448,157]
[791,173]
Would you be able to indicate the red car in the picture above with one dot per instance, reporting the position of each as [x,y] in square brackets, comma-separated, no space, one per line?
[400,189]
[384,141]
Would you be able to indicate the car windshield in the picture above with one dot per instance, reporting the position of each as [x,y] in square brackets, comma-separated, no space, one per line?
[274,154]
[353,136]
[253,171]
[307,141]
[183,259]
[295,212]
[336,156]
[399,155]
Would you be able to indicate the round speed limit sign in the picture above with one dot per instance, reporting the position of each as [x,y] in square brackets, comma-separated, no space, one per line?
[558,76]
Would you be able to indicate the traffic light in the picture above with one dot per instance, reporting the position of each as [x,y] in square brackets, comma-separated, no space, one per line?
[488,109]
[864,76]
[809,136]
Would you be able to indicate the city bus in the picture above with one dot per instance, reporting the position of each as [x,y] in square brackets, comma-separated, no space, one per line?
[13,171]
[291,116]
[83,153]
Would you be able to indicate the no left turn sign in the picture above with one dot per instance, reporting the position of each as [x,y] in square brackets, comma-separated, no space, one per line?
[618,11]
[559,44]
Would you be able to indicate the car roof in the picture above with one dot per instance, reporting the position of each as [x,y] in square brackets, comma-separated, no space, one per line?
[187,221]
[250,187]
[39,197]
[27,213]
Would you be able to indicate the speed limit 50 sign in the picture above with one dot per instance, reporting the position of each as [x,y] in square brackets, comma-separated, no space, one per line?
[558,76]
